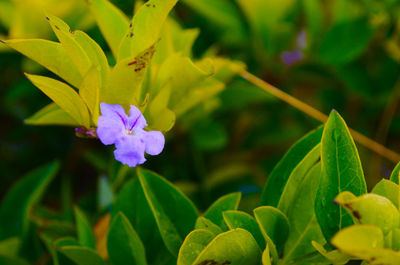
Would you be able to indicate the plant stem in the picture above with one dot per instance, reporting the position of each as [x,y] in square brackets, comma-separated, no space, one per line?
[316,114]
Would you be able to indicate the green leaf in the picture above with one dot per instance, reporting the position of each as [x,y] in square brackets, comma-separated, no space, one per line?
[297,177]
[132,202]
[193,245]
[51,114]
[146,27]
[345,41]
[303,225]
[174,219]
[123,243]
[64,96]
[4,260]
[395,174]
[204,223]
[280,175]
[21,198]
[71,46]
[387,189]
[85,232]
[341,171]
[51,55]
[10,246]
[238,219]
[365,242]
[235,247]
[66,242]
[274,226]
[112,22]
[370,209]
[82,255]
[225,203]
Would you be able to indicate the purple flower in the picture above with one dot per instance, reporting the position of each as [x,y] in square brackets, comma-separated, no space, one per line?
[295,55]
[127,134]
[292,57]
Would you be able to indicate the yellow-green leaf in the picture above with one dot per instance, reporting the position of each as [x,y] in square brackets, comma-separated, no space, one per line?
[51,55]
[64,96]
[126,80]
[7,10]
[266,258]
[183,81]
[204,223]
[365,242]
[199,94]
[237,247]
[72,47]
[192,246]
[160,117]
[95,54]
[90,92]
[112,22]
[146,27]
[334,256]
[51,114]
[388,189]
[370,209]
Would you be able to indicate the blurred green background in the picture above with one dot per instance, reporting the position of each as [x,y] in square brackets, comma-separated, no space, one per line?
[336,54]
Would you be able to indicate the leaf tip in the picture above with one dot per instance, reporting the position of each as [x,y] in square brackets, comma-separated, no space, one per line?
[334,112]
[29,76]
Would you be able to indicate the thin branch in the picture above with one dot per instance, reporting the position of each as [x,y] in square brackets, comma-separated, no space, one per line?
[316,114]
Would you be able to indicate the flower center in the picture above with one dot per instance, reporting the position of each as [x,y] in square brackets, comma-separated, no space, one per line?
[130,131]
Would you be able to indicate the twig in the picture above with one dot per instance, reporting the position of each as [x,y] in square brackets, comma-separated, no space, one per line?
[316,114]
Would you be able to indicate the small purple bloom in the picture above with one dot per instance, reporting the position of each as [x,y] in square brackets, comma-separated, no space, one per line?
[297,54]
[127,134]
[292,57]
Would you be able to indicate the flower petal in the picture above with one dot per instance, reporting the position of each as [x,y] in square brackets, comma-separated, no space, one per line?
[136,118]
[154,141]
[111,125]
[130,151]
[114,111]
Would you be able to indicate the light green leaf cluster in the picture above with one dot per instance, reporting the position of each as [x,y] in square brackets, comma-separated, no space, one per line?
[375,235]
[153,69]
